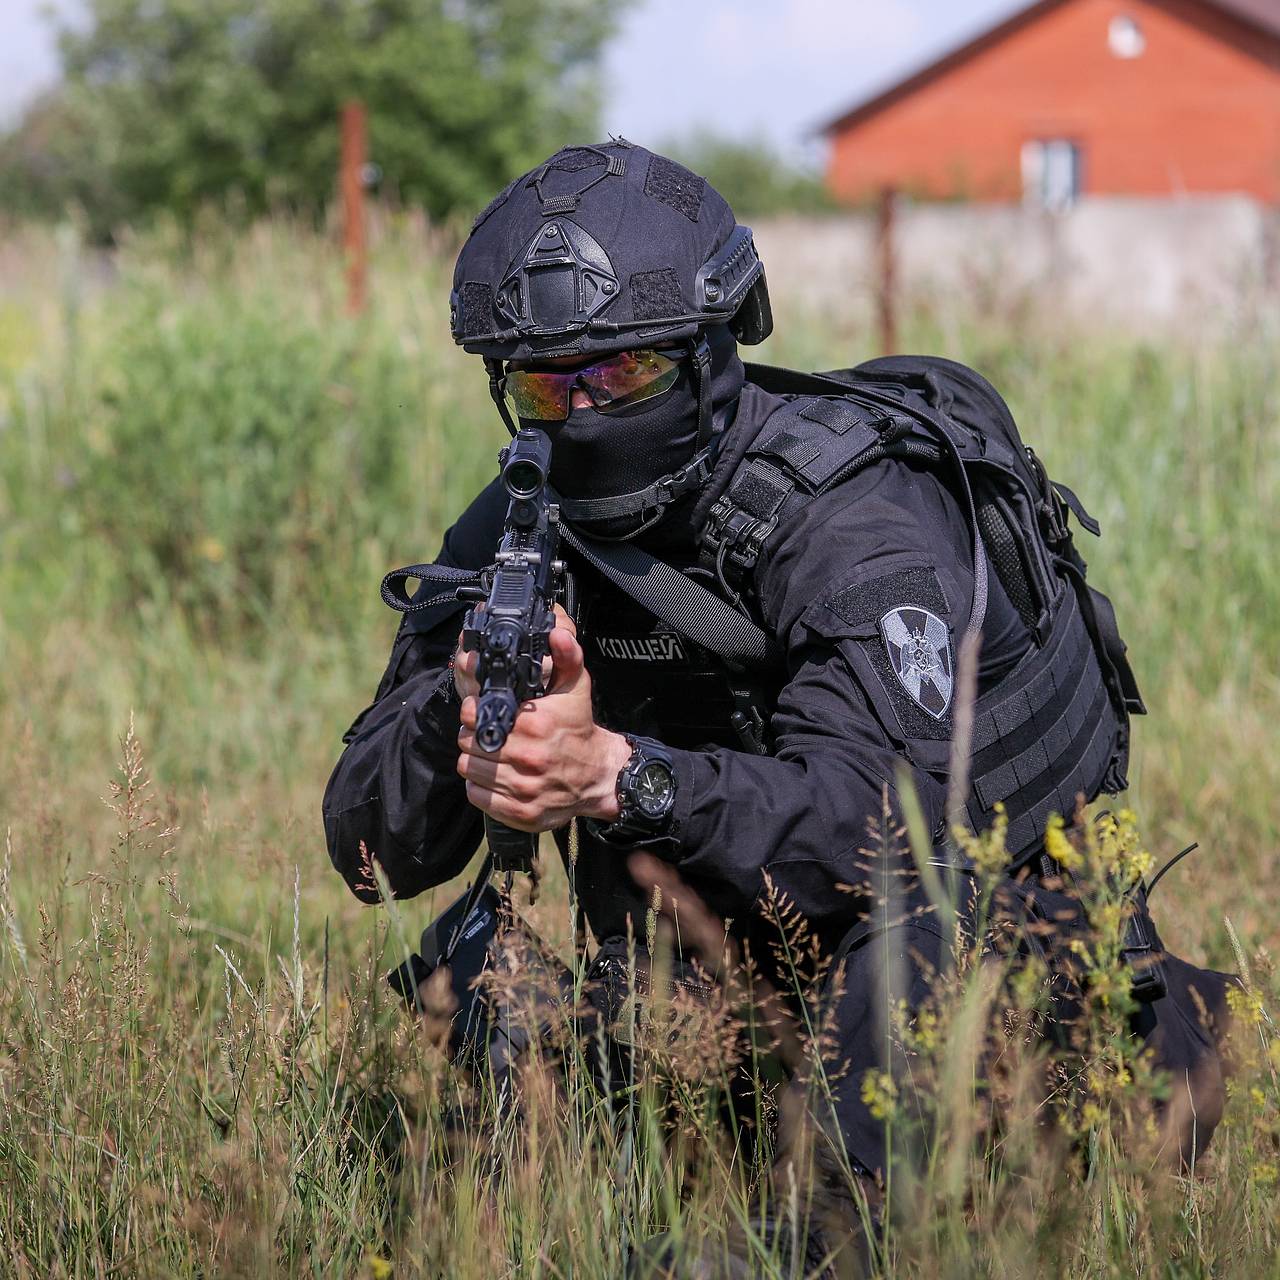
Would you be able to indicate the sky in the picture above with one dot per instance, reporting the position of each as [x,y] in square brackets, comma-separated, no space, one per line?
[770,68]
[745,68]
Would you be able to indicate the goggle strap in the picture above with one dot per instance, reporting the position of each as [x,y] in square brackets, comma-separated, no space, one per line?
[497,391]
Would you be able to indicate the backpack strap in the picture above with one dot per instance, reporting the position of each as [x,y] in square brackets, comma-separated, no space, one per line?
[792,382]
[863,424]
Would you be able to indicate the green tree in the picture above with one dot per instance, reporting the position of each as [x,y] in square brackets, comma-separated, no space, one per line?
[170,104]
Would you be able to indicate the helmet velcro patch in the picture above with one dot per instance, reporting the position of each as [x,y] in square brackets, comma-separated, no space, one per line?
[575,158]
[477,308]
[656,294]
[675,186]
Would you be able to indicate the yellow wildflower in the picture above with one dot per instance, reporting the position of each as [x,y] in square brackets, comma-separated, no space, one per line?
[1138,865]
[1107,918]
[919,1031]
[1059,848]
[879,1094]
[1245,1005]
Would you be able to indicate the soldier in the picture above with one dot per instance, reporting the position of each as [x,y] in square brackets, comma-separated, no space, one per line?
[857,529]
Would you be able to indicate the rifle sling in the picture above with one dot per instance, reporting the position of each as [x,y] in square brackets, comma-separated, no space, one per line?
[671,596]
[676,599]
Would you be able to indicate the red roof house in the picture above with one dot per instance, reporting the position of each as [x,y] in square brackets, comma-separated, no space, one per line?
[1080,97]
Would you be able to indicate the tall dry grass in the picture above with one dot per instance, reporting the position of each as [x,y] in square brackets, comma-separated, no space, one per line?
[204,469]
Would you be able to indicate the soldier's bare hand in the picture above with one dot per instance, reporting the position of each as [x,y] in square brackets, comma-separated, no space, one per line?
[464,672]
[557,763]
[464,664]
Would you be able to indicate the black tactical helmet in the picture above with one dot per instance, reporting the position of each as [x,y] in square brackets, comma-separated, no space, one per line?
[600,248]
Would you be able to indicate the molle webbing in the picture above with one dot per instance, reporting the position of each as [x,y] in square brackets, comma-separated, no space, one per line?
[815,443]
[1044,736]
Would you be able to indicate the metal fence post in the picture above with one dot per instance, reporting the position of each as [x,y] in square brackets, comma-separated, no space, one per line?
[354,238]
[887,270]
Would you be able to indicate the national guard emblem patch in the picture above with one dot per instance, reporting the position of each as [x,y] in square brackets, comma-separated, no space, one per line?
[919,646]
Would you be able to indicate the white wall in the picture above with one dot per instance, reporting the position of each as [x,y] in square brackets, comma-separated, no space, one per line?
[1137,264]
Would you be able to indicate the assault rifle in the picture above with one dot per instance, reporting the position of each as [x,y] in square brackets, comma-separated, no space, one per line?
[511,619]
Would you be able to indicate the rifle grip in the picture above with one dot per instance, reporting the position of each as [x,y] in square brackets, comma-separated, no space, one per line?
[512,850]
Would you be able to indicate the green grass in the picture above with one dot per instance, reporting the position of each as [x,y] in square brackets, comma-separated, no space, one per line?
[205,467]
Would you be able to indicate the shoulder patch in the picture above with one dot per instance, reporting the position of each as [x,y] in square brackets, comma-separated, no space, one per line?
[905,640]
[919,647]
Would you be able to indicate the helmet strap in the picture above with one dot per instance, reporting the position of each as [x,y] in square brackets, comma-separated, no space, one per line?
[700,366]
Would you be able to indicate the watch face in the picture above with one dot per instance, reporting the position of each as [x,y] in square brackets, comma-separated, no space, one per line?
[654,789]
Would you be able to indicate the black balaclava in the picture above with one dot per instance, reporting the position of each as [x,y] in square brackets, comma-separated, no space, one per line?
[603,455]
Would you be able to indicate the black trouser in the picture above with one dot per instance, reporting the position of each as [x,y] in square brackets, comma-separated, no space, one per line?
[891,959]
[874,970]
[877,967]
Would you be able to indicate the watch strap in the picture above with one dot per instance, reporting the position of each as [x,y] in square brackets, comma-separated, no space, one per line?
[633,825]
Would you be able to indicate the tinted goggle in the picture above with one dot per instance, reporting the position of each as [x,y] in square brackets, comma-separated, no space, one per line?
[627,378]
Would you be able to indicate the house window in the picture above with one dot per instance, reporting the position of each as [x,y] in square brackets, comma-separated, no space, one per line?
[1125,38]
[1051,173]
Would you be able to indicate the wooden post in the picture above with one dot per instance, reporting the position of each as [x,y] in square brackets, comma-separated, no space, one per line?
[887,271]
[354,243]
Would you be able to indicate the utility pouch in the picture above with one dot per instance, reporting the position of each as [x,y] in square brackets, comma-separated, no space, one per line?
[510,991]
[622,982]
[1142,952]
[460,941]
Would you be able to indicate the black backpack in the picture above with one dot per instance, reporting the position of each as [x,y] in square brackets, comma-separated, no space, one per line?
[1058,726]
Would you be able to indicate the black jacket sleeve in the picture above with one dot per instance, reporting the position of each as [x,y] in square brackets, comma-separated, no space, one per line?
[395,795]
[845,725]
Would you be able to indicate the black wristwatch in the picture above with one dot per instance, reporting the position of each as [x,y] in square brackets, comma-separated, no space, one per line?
[646,791]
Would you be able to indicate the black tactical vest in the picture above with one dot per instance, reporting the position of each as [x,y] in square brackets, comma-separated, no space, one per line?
[1056,727]
[650,680]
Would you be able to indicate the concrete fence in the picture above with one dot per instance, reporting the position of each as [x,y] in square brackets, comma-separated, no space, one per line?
[1137,264]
